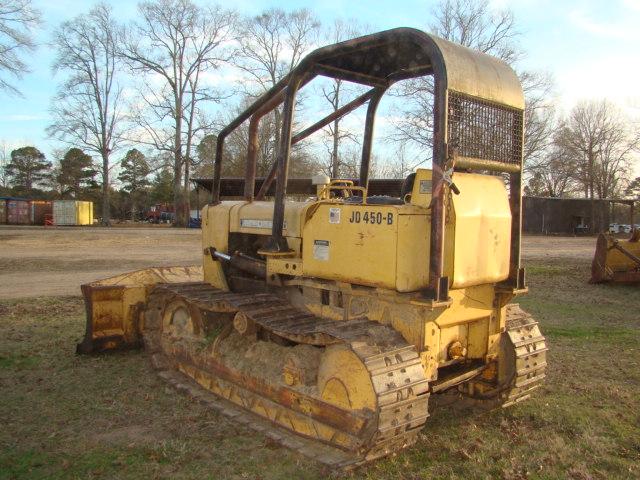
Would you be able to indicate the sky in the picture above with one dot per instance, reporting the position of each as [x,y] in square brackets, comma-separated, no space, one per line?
[591,49]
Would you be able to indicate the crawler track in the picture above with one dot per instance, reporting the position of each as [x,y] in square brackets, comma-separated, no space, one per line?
[530,355]
[343,437]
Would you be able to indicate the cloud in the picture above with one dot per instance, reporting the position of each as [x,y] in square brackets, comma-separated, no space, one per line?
[587,83]
[23,118]
[622,29]
[225,77]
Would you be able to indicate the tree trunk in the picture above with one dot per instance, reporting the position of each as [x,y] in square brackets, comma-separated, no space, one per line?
[185,189]
[178,195]
[178,192]
[106,205]
[590,155]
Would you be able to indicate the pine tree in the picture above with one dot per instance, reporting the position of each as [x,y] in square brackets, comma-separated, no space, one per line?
[76,173]
[27,168]
[135,177]
[162,187]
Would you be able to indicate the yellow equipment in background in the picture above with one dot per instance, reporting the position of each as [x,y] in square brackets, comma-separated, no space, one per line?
[335,319]
[616,260]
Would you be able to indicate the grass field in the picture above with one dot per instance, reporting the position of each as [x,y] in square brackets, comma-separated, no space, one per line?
[68,416]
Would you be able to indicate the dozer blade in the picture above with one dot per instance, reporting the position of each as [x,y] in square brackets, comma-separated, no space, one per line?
[616,260]
[113,305]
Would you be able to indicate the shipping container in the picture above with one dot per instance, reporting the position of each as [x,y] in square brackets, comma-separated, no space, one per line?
[39,209]
[72,212]
[18,212]
[3,211]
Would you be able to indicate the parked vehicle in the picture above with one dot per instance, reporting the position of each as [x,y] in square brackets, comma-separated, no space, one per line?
[160,213]
[166,217]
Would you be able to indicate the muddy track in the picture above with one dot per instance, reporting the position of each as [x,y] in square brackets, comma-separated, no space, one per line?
[356,436]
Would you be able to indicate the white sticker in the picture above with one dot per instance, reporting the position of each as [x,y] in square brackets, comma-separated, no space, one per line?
[425,186]
[321,250]
[251,223]
[254,223]
[334,215]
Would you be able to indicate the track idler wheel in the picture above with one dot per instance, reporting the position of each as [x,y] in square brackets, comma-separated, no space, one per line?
[344,381]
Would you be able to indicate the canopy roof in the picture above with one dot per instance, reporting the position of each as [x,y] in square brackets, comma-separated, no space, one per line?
[391,55]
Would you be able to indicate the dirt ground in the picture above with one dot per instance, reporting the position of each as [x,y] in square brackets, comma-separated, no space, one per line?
[56,261]
[66,416]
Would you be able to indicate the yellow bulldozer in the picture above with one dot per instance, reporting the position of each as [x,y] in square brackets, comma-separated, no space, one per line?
[616,260]
[328,323]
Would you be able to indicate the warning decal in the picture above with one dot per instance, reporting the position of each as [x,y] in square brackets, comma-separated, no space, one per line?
[334,215]
[321,250]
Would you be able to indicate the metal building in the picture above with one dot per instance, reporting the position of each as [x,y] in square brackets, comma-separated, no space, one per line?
[570,216]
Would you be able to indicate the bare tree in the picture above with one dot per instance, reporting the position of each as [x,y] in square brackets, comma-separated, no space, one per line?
[273,43]
[598,141]
[334,93]
[553,174]
[18,19]
[539,116]
[87,110]
[236,145]
[176,41]
[471,23]
[4,160]
[633,189]
[474,24]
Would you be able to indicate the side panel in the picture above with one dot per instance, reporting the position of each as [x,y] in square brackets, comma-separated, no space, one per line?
[340,242]
[257,217]
[482,230]
[215,233]
[376,245]
[413,252]
[421,193]
[215,225]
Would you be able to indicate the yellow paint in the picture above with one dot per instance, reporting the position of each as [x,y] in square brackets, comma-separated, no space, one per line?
[114,301]
[284,266]
[482,223]
[344,380]
[372,261]
[261,213]
[618,261]
[84,213]
[367,245]
[421,193]
[215,225]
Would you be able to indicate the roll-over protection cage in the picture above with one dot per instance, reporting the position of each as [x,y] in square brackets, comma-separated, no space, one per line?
[478,124]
